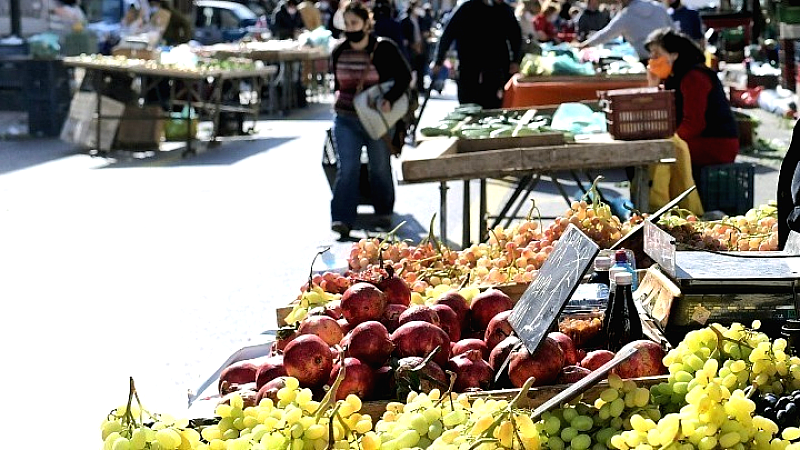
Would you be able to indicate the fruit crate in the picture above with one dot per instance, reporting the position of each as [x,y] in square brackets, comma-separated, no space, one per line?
[727,187]
[639,113]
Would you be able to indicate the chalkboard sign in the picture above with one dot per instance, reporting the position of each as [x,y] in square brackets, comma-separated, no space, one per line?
[559,276]
[660,245]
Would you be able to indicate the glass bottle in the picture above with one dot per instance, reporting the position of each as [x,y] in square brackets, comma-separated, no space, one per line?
[622,325]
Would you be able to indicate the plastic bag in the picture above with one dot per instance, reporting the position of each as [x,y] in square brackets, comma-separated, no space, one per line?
[44,46]
[578,118]
[176,128]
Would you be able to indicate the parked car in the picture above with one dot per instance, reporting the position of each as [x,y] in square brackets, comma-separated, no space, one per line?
[222,21]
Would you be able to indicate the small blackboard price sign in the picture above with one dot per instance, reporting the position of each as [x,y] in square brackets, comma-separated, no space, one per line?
[559,276]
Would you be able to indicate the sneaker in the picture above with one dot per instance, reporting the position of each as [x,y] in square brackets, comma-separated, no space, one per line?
[341,228]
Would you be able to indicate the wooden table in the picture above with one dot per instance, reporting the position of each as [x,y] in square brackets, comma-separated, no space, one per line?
[439,161]
[201,90]
[553,90]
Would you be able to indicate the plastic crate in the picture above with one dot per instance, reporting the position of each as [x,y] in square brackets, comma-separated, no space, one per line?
[727,187]
[788,14]
[640,113]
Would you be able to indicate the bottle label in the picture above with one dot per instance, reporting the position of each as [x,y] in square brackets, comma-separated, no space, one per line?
[701,315]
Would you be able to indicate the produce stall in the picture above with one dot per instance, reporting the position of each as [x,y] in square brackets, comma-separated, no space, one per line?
[296,65]
[199,89]
[441,160]
[552,90]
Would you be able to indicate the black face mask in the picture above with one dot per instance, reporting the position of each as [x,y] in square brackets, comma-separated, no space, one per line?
[354,36]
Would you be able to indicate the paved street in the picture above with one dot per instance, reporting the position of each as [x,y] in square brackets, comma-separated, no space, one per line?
[160,267]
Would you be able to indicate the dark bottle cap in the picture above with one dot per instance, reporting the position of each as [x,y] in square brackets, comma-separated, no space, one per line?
[621,256]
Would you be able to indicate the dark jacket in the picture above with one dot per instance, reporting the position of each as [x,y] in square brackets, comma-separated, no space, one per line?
[285,24]
[720,122]
[389,28]
[789,190]
[591,20]
[485,35]
[179,28]
[689,22]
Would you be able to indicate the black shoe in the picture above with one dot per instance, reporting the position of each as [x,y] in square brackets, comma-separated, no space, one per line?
[341,228]
[383,221]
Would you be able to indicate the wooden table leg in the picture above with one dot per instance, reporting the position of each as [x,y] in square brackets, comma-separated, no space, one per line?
[443,211]
[465,228]
[640,188]
[482,231]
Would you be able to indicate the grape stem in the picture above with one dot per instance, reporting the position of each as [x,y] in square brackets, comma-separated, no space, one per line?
[449,392]
[328,400]
[311,269]
[523,392]
[331,442]
[722,337]
[535,209]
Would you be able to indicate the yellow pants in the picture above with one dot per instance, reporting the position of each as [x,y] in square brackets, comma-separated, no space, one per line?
[669,180]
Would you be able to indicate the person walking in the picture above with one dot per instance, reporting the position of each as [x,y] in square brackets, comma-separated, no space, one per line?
[636,20]
[287,21]
[488,40]
[687,20]
[413,43]
[360,61]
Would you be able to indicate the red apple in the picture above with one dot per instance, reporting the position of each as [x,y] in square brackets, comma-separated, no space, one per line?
[566,344]
[646,362]
[596,358]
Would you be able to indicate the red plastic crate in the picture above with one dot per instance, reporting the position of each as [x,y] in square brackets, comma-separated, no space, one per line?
[639,113]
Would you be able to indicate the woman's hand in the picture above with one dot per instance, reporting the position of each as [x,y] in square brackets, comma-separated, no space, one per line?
[653,80]
[386,107]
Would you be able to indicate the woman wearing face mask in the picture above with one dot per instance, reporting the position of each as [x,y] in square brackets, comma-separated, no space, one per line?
[360,61]
[703,115]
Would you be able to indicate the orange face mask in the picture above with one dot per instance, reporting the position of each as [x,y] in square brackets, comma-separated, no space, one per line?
[660,67]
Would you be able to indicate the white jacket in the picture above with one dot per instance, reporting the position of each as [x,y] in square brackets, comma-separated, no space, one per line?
[634,23]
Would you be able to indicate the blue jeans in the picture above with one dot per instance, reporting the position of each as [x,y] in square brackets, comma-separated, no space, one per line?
[349,137]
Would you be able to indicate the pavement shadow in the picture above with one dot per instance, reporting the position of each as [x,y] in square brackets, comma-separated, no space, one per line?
[227,152]
[19,154]
[365,227]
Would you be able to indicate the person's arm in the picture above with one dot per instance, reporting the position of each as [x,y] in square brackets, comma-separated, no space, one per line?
[514,37]
[614,28]
[392,65]
[334,62]
[695,87]
[449,34]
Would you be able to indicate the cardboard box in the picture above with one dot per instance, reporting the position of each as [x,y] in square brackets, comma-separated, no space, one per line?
[136,53]
[141,127]
[80,128]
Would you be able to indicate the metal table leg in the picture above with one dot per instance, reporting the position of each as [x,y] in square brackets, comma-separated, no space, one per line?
[483,232]
[443,211]
[521,183]
[465,227]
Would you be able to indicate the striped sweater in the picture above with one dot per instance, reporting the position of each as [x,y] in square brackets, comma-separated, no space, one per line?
[350,66]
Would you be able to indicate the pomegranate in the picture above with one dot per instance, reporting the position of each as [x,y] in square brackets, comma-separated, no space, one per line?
[359,379]
[420,313]
[248,392]
[596,358]
[391,316]
[361,302]
[334,309]
[270,390]
[470,344]
[284,336]
[471,371]
[420,339]
[458,304]
[308,358]
[448,321]
[498,355]
[646,362]
[370,343]
[571,374]
[226,388]
[567,346]
[270,369]
[323,326]
[544,365]
[498,329]
[486,305]
[344,325]
[384,383]
[396,289]
[428,377]
[240,372]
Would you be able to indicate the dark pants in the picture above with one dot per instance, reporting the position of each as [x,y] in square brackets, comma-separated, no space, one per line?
[482,86]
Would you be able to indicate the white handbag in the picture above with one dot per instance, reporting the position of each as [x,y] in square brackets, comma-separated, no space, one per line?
[376,122]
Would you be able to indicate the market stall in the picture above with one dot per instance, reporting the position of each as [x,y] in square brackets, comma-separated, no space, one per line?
[552,90]
[198,90]
[297,65]
[441,161]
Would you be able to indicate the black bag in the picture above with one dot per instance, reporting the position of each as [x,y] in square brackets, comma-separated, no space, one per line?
[402,127]
[329,167]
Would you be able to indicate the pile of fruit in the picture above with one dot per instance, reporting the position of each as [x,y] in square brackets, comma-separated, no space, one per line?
[757,230]
[203,65]
[728,387]
[471,122]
